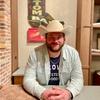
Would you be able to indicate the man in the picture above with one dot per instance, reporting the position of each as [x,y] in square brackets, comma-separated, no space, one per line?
[55,65]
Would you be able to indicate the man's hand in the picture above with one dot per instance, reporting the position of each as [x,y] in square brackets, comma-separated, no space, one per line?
[56,93]
[48,93]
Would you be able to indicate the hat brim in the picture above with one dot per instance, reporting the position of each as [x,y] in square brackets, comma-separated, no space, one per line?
[66,30]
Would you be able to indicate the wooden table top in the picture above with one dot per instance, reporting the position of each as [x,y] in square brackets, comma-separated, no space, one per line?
[14,92]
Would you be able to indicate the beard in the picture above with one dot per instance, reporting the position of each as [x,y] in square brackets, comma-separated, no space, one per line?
[53,47]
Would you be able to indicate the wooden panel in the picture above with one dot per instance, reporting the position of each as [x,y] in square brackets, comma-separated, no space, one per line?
[83,35]
[84,31]
[85,46]
[79,13]
[86,76]
[86,12]
[17,79]
[83,13]
[14,33]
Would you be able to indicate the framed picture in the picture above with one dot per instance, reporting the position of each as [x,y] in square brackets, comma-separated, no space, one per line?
[33,35]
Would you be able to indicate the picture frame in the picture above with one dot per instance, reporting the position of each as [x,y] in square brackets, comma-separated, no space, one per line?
[33,35]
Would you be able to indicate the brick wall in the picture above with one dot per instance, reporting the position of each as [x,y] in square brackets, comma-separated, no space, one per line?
[5,40]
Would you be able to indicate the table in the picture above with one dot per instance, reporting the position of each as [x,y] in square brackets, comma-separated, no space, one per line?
[16,92]
[89,93]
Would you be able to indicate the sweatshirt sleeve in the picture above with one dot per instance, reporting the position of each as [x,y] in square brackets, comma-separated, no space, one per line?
[76,83]
[29,82]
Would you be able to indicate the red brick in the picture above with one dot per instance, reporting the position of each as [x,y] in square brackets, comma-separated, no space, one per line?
[5,34]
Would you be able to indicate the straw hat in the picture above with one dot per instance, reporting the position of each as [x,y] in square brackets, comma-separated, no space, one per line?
[55,26]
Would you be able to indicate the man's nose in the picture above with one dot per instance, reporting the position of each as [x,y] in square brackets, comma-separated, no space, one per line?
[55,38]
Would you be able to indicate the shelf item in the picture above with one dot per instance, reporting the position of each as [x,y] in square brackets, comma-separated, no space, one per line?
[98,41]
[97,2]
[96,77]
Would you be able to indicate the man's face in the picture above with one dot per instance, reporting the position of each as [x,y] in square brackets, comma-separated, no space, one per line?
[55,41]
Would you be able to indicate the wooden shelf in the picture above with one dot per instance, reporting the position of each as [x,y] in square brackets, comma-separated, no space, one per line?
[96,25]
[95,52]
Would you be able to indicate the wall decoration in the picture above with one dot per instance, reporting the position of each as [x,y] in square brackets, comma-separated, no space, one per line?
[37,14]
[33,35]
[36,9]
[36,17]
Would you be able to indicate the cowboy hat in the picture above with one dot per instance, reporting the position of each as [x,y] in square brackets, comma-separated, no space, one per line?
[54,26]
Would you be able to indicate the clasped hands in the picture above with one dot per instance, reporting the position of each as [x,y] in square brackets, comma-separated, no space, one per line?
[56,93]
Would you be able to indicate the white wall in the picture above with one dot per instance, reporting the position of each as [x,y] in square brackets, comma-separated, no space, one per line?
[64,10]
